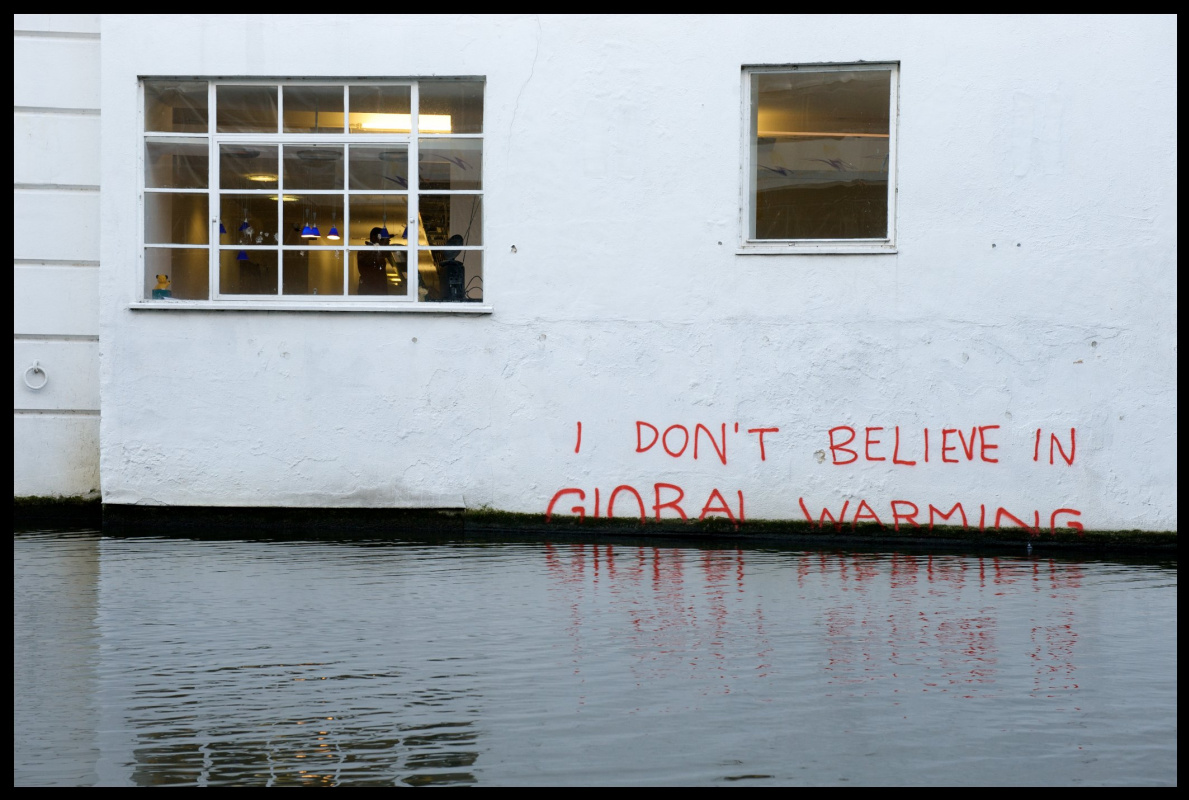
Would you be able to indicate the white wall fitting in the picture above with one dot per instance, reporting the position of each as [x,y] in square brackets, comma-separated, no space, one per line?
[56,254]
[1034,283]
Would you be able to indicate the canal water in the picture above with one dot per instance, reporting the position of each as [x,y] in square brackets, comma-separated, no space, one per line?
[141,661]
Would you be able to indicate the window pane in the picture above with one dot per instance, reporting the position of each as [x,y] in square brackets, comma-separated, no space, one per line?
[249,219]
[175,218]
[175,106]
[387,212]
[184,268]
[451,107]
[313,167]
[382,168]
[176,164]
[452,164]
[451,276]
[452,219]
[380,109]
[247,271]
[311,272]
[379,271]
[310,214]
[247,166]
[313,109]
[820,154]
[246,109]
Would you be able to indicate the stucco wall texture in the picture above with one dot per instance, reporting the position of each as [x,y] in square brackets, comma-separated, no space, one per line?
[1033,286]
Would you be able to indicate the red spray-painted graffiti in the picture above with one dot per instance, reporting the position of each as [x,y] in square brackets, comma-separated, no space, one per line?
[977,444]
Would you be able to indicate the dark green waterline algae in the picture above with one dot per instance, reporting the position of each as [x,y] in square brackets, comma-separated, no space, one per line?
[160,662]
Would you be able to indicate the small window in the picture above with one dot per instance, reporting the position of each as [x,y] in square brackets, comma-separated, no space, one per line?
[312,190]
[820,158]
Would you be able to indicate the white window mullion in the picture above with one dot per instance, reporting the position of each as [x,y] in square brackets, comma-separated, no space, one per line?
[414,231]
[215,181]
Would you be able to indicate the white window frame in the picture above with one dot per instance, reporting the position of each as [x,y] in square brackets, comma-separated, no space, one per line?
[748,246]
[409,302]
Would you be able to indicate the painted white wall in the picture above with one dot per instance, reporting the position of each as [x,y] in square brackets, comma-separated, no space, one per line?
[1034,284]
[56,167]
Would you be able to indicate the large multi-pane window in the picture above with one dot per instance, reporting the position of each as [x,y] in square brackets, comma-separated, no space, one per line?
[313,190]
[820,157]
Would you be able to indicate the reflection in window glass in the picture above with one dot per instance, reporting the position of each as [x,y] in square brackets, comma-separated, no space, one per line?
[451,107]
[820,154]
[380,109]
[451,276]
[310,166]
[454,219]
[387,212]
[312,272]
[379,271]
[380,168]
[246,109]
[248,166]
[308,219]
[175,218]
[248,271]
[249,219]
[185,269]
[451,164]
[175,106]
[313,109]
[176,164]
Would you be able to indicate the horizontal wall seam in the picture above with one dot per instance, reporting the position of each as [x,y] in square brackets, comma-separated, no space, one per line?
[53,262]
[77,112]
[55,337]
[72,35]
[55,187]
[62,413]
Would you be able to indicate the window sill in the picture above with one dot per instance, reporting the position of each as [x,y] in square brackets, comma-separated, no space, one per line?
[803,249]
[256,305]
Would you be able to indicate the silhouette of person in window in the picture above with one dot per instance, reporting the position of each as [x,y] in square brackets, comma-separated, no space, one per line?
[373,266]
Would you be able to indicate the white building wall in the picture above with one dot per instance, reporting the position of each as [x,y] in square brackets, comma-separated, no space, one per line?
[1034,285]
[56,167]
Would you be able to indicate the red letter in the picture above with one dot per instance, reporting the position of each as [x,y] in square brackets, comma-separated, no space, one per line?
[722,454]
[912,518]
[834,448]
[640,448]
[1073,446]
[945,432]
[896,452]
[762,431]
[579,510]
[1036,447]
[1003,512]
[968,450]
[671,504]
[870,514]
[825,513]
[721,508]
[957,507]
[982,435]
[665,440]
[578,446]
[926,445]
[740,493]
[639,499]
[867,447]
[1073,523]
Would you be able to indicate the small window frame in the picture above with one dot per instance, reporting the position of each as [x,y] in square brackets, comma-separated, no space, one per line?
[753,246]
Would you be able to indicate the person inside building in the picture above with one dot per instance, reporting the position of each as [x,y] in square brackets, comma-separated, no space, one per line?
[373,266]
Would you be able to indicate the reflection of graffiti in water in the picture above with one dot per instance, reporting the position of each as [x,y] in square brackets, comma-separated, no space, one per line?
[886,623]
[684,612]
